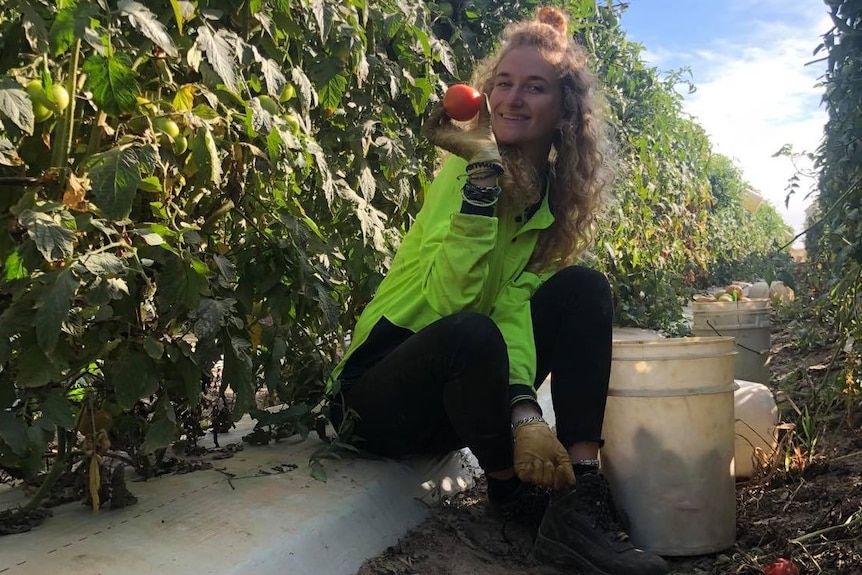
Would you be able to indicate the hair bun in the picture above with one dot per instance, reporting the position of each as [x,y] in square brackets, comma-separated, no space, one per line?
[554,18]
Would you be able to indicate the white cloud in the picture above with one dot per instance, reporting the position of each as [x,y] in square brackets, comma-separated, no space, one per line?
[755,95]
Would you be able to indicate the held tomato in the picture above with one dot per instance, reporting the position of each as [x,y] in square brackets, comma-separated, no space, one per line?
[781,567]
[461,102]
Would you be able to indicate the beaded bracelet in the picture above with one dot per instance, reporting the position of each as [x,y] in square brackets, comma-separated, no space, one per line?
[487,165]
[526,420]
[481,197]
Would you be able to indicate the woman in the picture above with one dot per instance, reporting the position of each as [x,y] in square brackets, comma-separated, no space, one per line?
[481,304]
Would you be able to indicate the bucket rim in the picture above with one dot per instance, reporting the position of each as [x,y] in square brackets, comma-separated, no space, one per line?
[690,340]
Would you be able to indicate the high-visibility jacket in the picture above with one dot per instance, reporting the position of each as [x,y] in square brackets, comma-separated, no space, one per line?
[449,262]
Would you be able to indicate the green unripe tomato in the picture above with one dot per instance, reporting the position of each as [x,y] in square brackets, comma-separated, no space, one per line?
[41,112]
[288,93]
[168,126]
[181,144]
[293,123]
[59,98]
[268,104]
[35,91]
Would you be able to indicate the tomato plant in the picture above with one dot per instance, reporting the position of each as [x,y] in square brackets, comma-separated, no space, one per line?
[208,174]
[462,102]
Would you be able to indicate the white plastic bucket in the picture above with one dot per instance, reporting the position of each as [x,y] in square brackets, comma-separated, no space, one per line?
[669,441]
[746,321]
[756,413]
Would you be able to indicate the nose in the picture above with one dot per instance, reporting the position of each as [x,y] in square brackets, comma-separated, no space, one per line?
[514,98]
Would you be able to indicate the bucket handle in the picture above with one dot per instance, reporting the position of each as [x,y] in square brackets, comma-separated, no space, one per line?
[761,352]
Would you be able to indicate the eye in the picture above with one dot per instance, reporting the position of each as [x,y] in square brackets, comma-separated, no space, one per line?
[536,88]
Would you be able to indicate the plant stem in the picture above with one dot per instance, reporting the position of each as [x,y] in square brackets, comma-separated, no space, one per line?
[53,474]
[854,519]
[846,456]
[64,134]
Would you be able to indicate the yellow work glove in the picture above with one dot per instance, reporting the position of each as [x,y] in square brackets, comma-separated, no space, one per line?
[475,144]
[540,458]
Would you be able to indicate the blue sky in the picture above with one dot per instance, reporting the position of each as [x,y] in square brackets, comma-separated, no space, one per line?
[757,89]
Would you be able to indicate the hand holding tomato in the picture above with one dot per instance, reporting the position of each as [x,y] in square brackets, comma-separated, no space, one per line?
[475,144]
[781,567]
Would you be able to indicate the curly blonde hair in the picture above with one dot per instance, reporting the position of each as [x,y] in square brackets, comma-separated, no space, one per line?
[578,164]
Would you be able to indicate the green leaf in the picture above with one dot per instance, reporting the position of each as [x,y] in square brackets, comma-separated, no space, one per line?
[237,375]
[204,155]
[132,375]
[333,84]
[226,268]
[327,304]
[148,24]
[117,287]
[318,8]
[220,54]
[210,317]
[103,264]
[16,105]
[317,471]
[190,374]
[58,411]
[54,309]
[15,319]
[162,430]
[34,28]
[35,369]
[282,416]
[53,240]
[13,432]
[272,376]
[182,283]
[70,24]
[272,74]
[114,179]
[15,268]
[178,14]
[154,348]
[150,237]
[113,82]
[150,184]
[367,184]
[306,92]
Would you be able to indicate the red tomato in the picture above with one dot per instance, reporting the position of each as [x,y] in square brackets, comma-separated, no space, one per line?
[461,102]
[781,567]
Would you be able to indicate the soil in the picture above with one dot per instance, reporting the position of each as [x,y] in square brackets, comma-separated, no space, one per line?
[808,508]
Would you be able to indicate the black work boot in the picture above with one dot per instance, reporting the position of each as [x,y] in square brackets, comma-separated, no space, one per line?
[581,529]
[525,506]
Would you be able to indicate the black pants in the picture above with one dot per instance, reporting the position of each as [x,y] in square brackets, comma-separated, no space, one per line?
[446,386]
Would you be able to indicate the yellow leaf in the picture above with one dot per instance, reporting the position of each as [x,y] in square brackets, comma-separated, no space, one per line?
[255,331]
[95,481]
[185,98]
[74,196]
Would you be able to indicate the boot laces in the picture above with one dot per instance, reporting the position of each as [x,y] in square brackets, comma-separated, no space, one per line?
[595,501]
[527,506]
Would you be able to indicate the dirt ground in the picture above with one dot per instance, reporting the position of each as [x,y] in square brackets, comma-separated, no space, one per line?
[817,502]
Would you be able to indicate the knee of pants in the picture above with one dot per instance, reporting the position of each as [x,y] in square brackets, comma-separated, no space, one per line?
[590,284]
[474,333]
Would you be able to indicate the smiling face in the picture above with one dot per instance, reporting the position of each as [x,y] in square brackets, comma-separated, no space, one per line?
[526,102]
